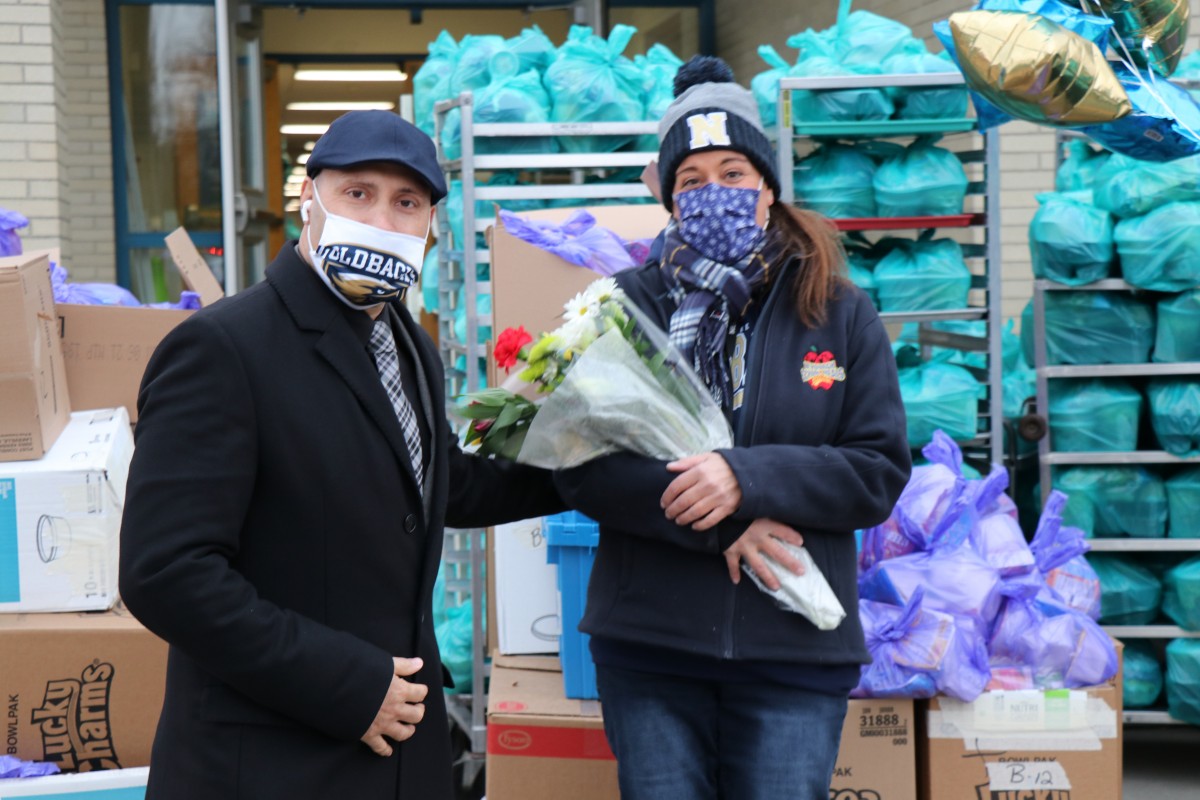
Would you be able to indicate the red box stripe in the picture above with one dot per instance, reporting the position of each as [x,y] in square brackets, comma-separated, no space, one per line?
[537,741]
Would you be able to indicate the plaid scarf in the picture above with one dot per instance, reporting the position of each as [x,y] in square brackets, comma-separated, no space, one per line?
[709,296]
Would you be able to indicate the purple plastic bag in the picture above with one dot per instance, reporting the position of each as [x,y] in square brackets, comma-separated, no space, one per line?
[924,505]
[1058,550]
[1062,647]
[188,301]
[13,767]
[88,294]
[918,652]
[996,535]
[10,242]
[577,239]
[956,581]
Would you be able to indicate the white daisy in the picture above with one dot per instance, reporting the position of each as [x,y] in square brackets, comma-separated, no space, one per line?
[602,291]
[581,306]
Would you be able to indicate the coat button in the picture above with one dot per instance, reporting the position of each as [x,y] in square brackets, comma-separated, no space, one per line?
[410,523]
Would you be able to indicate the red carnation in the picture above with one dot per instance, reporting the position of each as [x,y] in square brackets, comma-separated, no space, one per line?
[508,346]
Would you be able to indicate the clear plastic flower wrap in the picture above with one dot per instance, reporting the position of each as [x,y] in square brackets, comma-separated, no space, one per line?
[615,383]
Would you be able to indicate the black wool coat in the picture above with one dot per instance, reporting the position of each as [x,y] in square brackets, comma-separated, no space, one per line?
[274,535]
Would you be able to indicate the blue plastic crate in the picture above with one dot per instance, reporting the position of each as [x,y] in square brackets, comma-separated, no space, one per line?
[571,540]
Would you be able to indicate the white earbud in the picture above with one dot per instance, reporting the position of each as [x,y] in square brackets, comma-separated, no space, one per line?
[304,210]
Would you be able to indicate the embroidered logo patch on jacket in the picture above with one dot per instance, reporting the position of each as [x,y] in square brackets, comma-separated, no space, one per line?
[820,369]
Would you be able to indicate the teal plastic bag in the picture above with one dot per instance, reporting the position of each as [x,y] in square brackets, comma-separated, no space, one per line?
[1115,501]
[1079,167]
[1070,240]
[533,47]
[429,281]
[454,637]
[860,267]
[923,275]
[471,71]
[1092,328]
[1143,675]
[508,97]
[939,103]
[1181,594]
[658,67]
[765,86]
[1183,680]
[591,81]
[857,45]
[1127,187]
[1094,415]
[1158,250]
[921,180]
[1011,356]
[1175,414]
[1183,502]
[483,308]
[1130,594]
[836,180]
[433,80]
[937,396]
[1178,337]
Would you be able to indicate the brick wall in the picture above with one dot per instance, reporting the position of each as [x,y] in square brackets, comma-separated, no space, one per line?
[1027,151]
[55,137]
[89,137]
[32,133]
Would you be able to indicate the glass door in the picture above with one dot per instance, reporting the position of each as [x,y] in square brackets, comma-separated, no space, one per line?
[246,217]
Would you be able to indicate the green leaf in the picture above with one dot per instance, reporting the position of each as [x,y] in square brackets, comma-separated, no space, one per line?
[510,414]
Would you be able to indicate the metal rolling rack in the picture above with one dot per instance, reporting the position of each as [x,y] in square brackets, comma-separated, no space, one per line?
[989,444]
[1048,458]
[465,551]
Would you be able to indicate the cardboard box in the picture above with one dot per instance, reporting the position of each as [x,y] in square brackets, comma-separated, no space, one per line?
[530,285]
[878,755]
[1024,745]
[107,347]
[34,402]
[83,691]
[542,746]
[117,784]
[527,606]
[60,518]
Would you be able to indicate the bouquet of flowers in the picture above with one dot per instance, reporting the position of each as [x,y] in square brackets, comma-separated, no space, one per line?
[614,383]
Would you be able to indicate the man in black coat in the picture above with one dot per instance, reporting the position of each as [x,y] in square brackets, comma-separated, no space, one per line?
[284,515]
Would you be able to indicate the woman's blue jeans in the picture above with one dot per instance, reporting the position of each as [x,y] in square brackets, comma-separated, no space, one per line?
[685,739]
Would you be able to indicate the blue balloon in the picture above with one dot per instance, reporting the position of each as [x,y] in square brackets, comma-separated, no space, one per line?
[1164,125]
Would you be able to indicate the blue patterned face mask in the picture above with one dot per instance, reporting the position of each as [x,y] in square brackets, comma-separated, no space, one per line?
[720,222]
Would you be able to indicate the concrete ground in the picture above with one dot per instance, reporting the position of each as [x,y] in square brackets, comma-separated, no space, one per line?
[1162,762]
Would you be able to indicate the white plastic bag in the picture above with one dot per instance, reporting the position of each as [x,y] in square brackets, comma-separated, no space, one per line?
[808,595]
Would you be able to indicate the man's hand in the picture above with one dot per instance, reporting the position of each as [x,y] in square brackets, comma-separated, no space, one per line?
[402,708]
[763,537]
[705,493]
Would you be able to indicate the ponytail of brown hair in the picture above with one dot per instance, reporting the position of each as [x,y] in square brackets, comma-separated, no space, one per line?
[814,240]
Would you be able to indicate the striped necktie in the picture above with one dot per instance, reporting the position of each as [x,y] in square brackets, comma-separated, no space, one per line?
[387,361]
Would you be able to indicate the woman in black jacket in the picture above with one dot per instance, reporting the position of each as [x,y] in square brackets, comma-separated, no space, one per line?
[709,689]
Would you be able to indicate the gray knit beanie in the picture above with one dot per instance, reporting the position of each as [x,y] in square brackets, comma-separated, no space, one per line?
[711,112]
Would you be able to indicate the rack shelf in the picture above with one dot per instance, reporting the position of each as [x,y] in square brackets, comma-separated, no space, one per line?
[883,129]
[1060,458]
[1149,717]
[1103,545]
[908,223]
[1150,632]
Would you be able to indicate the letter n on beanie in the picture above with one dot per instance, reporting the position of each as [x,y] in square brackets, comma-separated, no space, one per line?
[708,130]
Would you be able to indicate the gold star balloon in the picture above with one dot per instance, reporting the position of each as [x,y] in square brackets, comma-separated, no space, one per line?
[1037,70]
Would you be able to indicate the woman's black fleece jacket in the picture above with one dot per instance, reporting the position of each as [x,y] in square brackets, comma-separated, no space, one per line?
[825,461]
